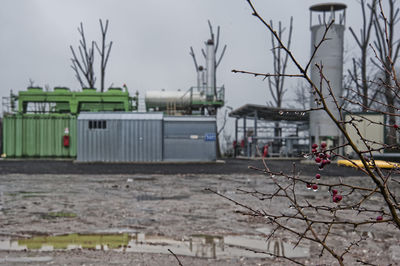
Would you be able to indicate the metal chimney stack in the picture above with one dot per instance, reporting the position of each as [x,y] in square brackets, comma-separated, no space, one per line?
[210,65]
[330,56]
[201,79]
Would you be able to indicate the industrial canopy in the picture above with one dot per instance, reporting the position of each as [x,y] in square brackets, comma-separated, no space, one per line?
[267,113]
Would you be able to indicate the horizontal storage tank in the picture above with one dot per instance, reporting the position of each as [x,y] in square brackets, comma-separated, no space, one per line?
[159,100]
[120,137]
[190,138]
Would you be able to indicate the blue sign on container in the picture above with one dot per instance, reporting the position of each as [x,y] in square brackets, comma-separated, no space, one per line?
[210,137]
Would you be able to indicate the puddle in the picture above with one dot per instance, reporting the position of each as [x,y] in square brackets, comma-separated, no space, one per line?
[204,246]
[25,259]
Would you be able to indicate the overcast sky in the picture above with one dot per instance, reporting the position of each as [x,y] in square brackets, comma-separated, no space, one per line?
[151,41]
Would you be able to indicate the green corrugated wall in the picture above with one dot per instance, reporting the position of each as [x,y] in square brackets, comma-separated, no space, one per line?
[38,135]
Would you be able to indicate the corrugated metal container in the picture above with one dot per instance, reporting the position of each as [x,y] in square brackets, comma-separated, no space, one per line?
[120,137]
[190,138]
[38,135]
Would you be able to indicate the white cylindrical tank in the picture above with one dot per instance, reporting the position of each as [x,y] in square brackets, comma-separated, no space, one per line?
[159,100]
[330,56]
[210,65]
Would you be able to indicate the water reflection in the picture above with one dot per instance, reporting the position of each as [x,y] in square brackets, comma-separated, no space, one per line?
[204,246]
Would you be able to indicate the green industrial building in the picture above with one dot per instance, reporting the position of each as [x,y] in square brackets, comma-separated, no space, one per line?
[43,123]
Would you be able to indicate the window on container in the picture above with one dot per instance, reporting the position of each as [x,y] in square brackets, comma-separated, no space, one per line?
[97,124]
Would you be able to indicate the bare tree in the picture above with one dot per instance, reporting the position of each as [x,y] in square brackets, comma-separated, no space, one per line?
[359,72]
[83,64]
[280,59]
[351,204]
[104,52]
[31,83]
[302,96]
[386,47]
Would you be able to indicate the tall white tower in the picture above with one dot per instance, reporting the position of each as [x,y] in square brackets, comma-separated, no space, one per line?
[330,56]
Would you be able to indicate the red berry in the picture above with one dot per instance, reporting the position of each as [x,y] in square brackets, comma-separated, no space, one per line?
[325,162]
[334,192]
[321,155]
[379,218]
[314,146]
[337,198]
[317,176]
[328,156]
[314,150]
[323,145]
[309,185]
[395,126]
[317,160]
[315,187]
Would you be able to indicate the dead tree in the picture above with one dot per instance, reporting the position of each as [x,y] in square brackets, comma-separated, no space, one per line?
[276,83]
[386,47]
[104,52]
[359,75]
[82,64]
[302,96]
[280,59]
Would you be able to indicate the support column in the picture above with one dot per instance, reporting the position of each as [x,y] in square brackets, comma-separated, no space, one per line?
[236,138]
[245,150]
[255,134]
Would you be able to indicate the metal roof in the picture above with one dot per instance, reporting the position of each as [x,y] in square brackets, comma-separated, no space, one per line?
[190,118]
[120,116]
[328,7]
[269,113]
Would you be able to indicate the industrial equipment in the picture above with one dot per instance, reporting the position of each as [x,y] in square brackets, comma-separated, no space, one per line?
[329,56]
[38,123]
[62,100]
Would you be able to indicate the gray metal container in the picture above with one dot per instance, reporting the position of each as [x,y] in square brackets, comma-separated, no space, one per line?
[119,137]
[190,138]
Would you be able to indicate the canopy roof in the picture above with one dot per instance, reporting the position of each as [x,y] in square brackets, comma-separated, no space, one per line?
[270,113]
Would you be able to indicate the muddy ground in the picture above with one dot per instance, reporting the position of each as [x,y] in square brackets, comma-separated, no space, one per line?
[64,213]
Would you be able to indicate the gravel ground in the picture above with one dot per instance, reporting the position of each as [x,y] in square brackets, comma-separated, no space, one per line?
[51,209]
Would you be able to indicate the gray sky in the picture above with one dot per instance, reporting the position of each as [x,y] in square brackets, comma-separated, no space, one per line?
[151,41]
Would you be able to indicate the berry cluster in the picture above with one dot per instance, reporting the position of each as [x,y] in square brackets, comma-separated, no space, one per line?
[335,196]
[322,158]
